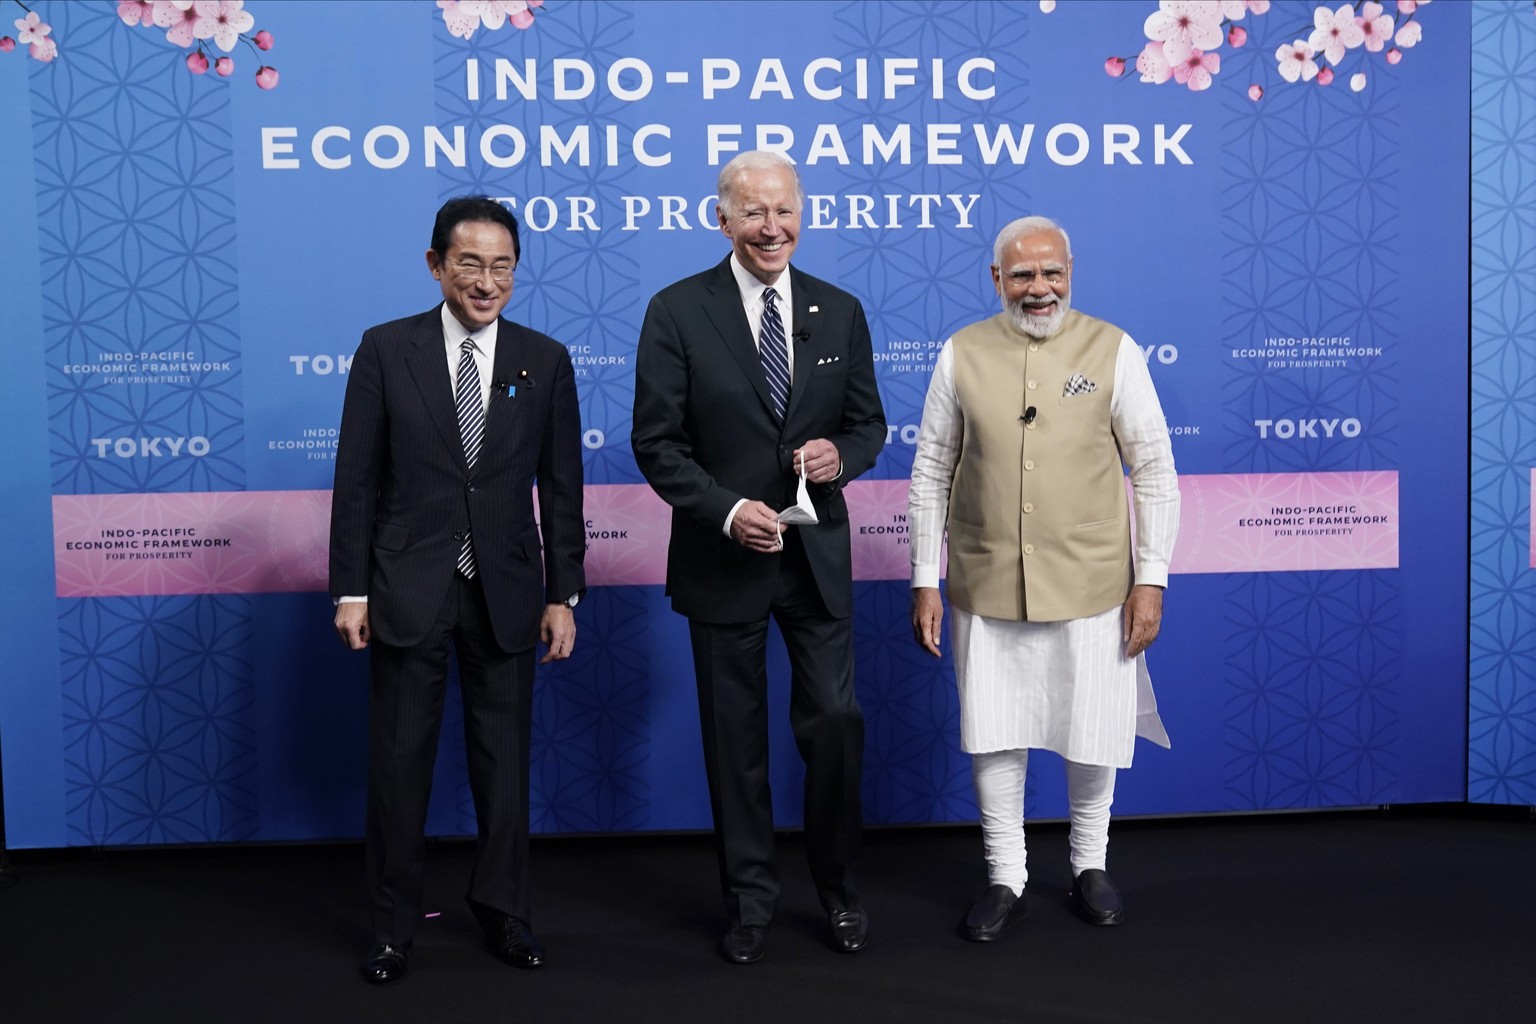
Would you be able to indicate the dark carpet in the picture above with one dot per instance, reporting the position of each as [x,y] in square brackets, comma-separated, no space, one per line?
[1417,914]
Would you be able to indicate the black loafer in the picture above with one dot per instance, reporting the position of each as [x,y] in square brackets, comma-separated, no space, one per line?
[992,914]
[385,963]
[512,942]
[850,929]
[744,943]
[1095,898]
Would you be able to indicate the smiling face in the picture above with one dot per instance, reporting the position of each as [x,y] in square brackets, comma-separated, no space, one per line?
[763,222]
[1034,279]
[475,299]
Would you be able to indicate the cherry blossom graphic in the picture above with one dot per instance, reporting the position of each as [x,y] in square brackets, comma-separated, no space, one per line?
[1335,32]
[34,32]
[1296,62]
[463,17]
[1184,35]
[203,26]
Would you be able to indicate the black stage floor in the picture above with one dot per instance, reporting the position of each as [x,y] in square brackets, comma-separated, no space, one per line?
[1417,914]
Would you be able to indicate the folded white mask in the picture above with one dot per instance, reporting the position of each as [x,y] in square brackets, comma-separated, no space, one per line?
[802,512]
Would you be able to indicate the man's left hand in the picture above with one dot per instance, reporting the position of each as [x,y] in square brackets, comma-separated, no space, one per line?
[1143,618]
[558,630]
[822,461]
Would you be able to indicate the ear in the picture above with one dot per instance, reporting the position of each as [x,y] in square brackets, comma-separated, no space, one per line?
[434,264]
[997,279]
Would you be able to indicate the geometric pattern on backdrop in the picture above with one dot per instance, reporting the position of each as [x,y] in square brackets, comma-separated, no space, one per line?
[1310,232]
[1501,756]
[159,744]
[133,160]
[919,286]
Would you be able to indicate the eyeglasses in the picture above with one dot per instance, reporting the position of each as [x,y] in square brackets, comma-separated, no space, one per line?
[472,270]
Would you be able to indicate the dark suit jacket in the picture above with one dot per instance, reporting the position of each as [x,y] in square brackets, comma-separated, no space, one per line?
[404,495]
[705,435]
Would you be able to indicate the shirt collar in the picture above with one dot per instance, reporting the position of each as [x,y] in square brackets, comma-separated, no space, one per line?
[752,289]
[454,332]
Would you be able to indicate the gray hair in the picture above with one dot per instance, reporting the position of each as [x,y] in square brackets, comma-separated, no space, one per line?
[753,160]
[1017,229]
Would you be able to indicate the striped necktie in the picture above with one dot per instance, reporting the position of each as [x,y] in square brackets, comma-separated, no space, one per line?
[471,432]
[770,345]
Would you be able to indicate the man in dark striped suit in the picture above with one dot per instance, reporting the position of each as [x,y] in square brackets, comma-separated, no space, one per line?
[451,416]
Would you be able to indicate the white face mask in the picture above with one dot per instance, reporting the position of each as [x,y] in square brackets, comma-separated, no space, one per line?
[802,512]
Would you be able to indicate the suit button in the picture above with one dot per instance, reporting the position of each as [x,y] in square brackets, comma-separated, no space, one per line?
[470,487]
[1029,549]
[459,536]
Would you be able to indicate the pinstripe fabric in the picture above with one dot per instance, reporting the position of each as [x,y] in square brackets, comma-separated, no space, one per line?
[471,414]
[1062,686]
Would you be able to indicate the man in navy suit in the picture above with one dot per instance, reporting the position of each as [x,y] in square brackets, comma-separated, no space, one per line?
[748,375]
[451,416]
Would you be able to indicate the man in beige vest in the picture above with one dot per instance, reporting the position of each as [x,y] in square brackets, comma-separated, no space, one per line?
[1029,419]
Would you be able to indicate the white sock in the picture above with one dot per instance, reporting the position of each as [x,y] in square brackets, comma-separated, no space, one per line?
[1000,798]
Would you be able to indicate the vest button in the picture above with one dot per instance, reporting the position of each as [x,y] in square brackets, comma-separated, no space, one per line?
[1029,506]
[1029,463]
[1031,385]
[1029,549]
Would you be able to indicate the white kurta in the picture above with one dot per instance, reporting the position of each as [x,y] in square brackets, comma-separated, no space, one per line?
[1061,686]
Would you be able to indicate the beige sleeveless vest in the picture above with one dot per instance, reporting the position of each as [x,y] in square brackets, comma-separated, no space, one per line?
[1039,525]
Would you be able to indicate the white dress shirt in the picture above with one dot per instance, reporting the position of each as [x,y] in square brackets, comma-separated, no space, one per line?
[752,302]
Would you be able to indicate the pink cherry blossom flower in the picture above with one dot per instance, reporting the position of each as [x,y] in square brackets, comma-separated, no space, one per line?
[1196,70]
[1153,64]
[1394,55]
[1335,32]
[222,21]
[1184,25]
[1325,76]
[1255,92]
[32,29]
[460,22]
[225,66]
[7,44]
[1237,36]
[135,12]
[266,78]
[1233,10]
[1409,35]
[1047,6]
[1296,62]
[524,18]
[1114,67]
[44,50]
[1375,26]
[1357,81]
[197,62]
[179,19]
[263,40]
[1407,6]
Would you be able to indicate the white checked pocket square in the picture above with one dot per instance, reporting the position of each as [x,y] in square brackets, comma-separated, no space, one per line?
[1078,385]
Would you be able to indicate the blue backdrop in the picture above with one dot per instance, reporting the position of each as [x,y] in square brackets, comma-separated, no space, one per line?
[190,260]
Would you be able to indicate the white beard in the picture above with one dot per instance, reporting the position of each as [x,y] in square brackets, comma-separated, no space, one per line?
[1033,325]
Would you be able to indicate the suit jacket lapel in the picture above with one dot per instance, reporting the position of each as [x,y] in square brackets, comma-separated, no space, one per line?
[428,363]
[504,377]
[723,307]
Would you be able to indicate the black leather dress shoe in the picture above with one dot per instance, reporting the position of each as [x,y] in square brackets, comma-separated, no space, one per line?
[512,941]
[850,929]
[744,943]
[386,963]
[1095,898]
[992,914]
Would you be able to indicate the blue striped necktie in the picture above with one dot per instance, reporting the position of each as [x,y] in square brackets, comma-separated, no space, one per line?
[471,432]
[770,344]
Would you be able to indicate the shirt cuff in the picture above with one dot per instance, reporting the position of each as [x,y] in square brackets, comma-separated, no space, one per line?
[729,518]
[925,576]
[349,600]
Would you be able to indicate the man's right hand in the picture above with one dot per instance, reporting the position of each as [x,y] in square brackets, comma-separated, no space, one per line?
[352,623]
[755,527]
[927,616]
